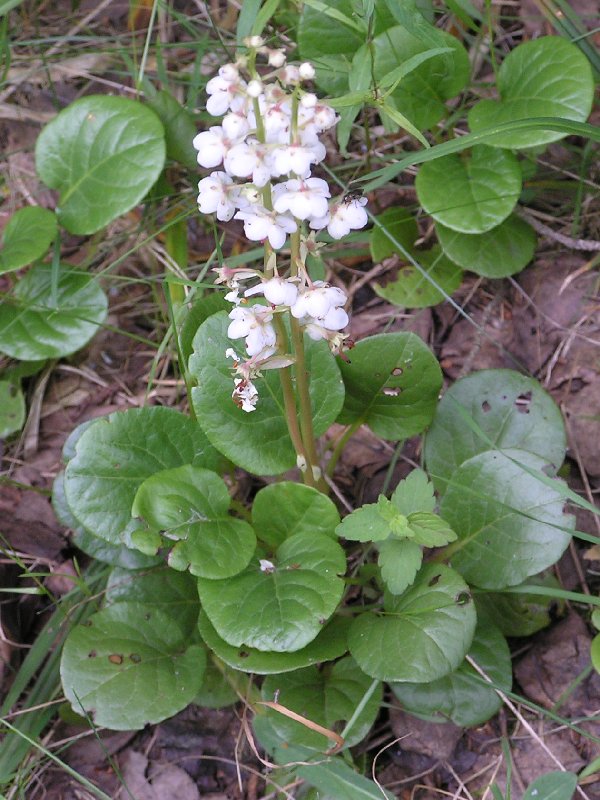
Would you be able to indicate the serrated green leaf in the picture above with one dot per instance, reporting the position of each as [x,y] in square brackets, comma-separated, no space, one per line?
[365,524]
[414,493]
[548,77]
[115,454]
[41,320]
[328,698]
[419,636]
[552,786]
[399,561]
[27,235]
[103,154]
[392,382]
[511,409]
[463,696]
[12,408]
[283,509]
[282,608]
[191,505]
[259,441]
[130,665]
[508,523]
[331,643]
[430,530]
[497,253]
[470,194]
[415,289]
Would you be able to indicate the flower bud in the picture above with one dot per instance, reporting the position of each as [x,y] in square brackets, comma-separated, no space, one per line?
[254,88]
[306,71]
[308,100]
[254,42]
[276,58]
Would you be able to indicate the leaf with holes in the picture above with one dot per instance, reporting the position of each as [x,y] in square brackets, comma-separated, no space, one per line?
[328,698]
[279,604]
[493,408]
[497,253]
[130,665]
[509,524]
[44,319]
[418,636]
[548,77]
[114,456]
[392,383]
[259,441]
[12,408]
[437,279]
[190,505]
[103,154]
[331,643]
[463,696]
[27,235]
[283,509]
[470,193]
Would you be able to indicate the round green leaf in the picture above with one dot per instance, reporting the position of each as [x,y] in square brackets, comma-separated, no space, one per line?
[173,593]
[421,95]
[258,441]
[12,408]
[329,644]
[117,453]
[27,235]
[470,193]
[493,408]
[507,521]
[413,289]
[130,665]
[179,127]
[283,509]
[216,691]
[202,309]
[559,785]
[392,383]
[191,504]
[398,223]
[501,251]
[282,607]
[548,77]
[463,696]
[519,614]
[40,320]
[419,636]
[103,154]
[328,697]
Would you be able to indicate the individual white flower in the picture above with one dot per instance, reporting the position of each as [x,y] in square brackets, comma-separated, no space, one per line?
[349,215]
[335,339]
[254,89]
[325,117]
[212,146]
[227,91]
[229,72]
[306,71]
[254,324]
[235,125]
[303,198]
[245,394]
[247,159]
[318,301]
[231,276]
[290,74]
[260,224]
[254,42]
[296,158]
[278,291]
[276,58]
[218,193]
[308,100]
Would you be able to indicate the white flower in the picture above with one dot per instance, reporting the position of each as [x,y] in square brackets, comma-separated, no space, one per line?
[303,198]
[235,125]
[254,41]
[296,158]
[254,89]
[254,324]
[318,300]
[290,74]
[308,100]
[306,71]
[325,117]
[245,394]
[278,291]
[260,224]
[266,565]
[347,216]
[276,58]
[249,159]
[227,91]
[212,146]
[218,193]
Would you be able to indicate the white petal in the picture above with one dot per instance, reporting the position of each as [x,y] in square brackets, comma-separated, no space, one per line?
[335,319]
[218,103]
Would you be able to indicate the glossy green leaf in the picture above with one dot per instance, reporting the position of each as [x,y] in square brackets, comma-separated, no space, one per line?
[557,785]
[419,636]
[117,453]
[329,698]
[179,128]
[392,383]
[508,522]
[190,504]
[259,441]
[518,614]
[283,509]
[103,154]
[282,607]
[330,643]
[398,223]
[216,691]
[463,696]
[27,235]
[510,409]
[40,320]
[399,561]
[548,77]
[172,592]
[501,251]
[422,94]
[130,665]
[413,288]
[202,309]
[470,193]
[12,408]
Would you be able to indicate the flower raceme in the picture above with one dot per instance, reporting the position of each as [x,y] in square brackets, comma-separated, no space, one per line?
[263,154]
